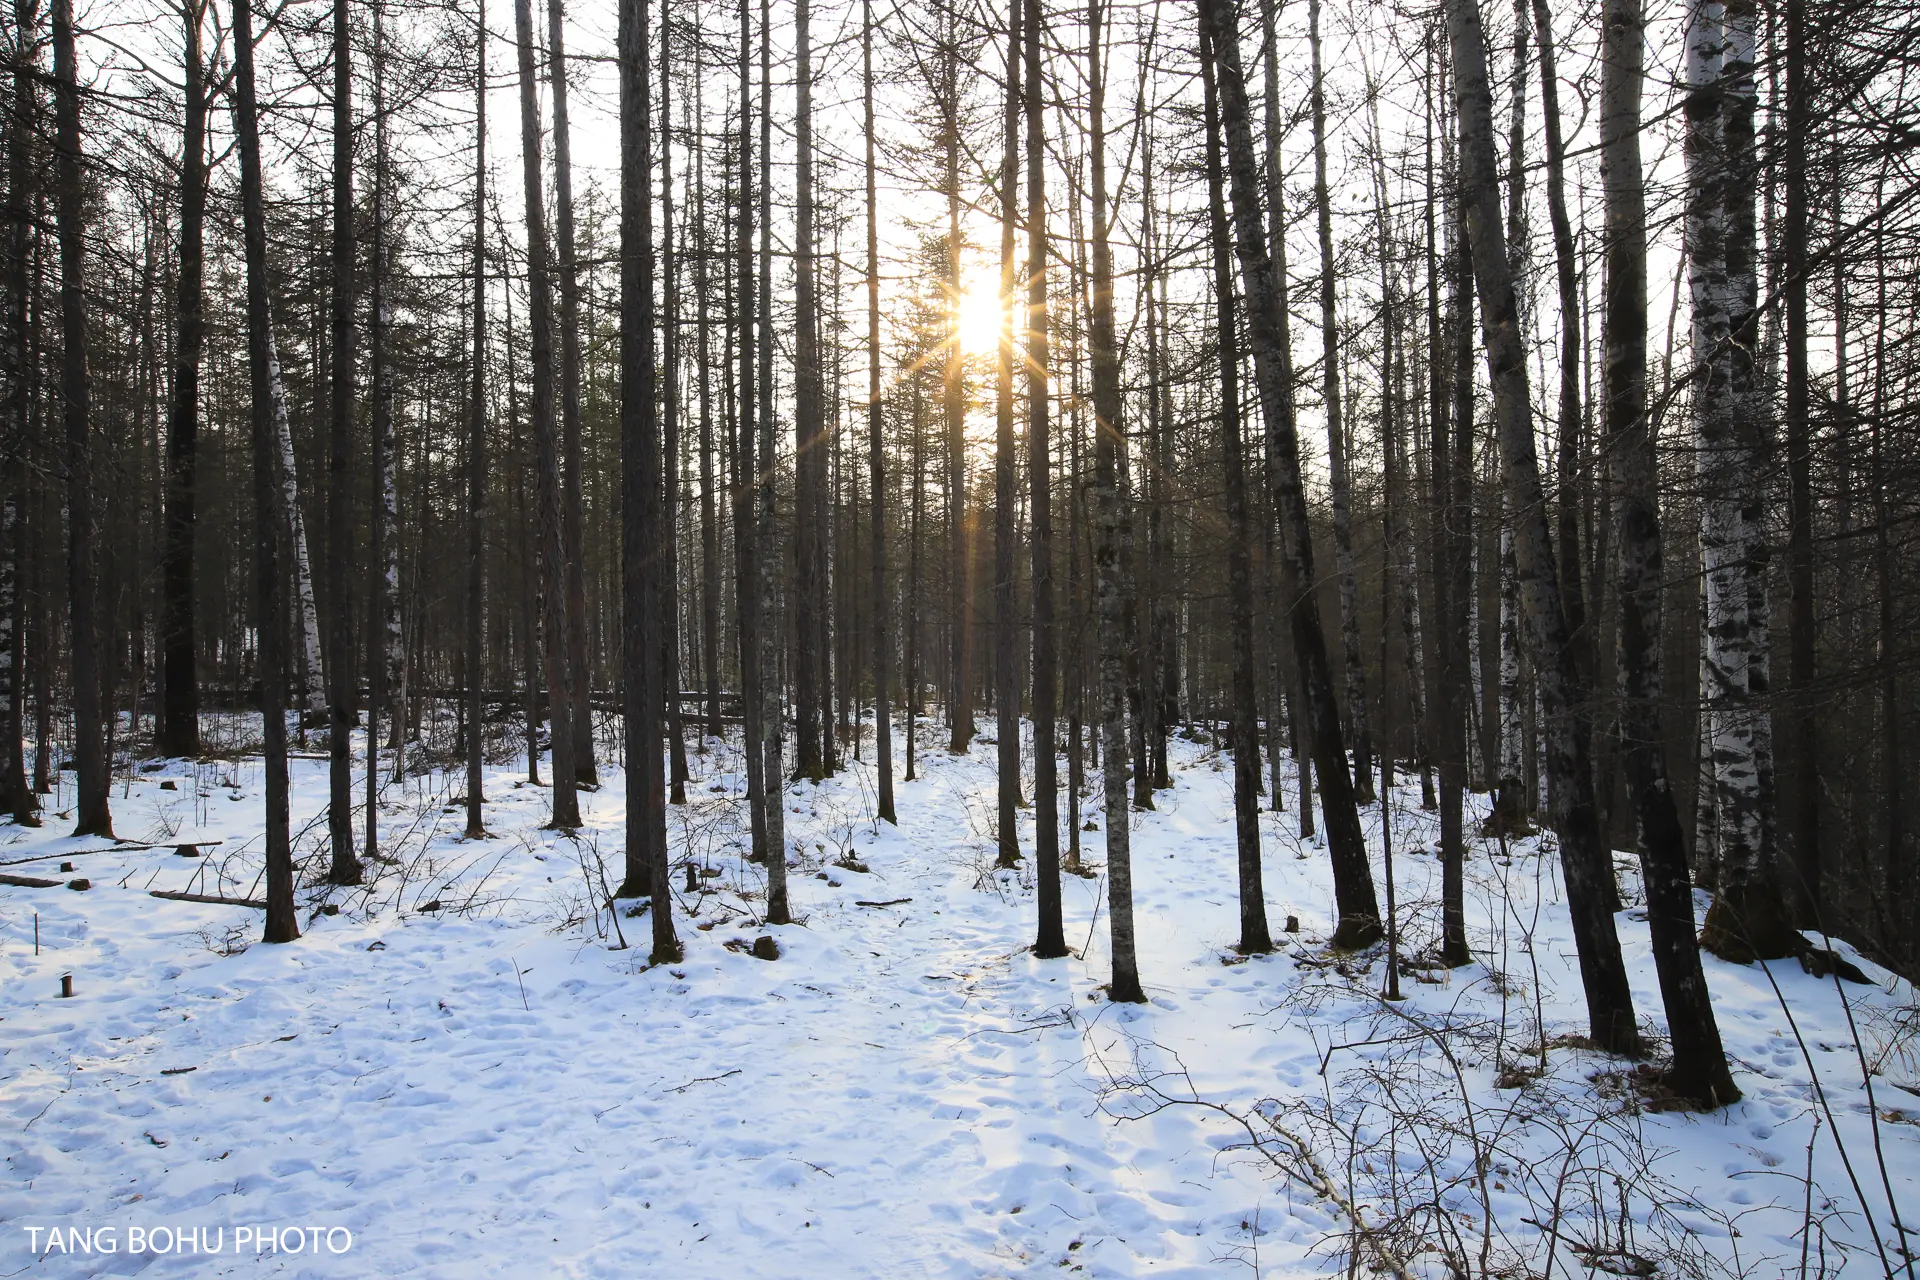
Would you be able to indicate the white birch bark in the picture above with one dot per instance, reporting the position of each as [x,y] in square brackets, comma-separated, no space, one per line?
[312,673]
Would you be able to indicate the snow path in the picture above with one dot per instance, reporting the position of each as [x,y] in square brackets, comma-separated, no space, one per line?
[906,1092]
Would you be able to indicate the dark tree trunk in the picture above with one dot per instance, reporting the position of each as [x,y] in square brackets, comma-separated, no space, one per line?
[17,358]
[1800,781]
[476,585]
[876,452]
[573,509]
[1448,477]
[1050,941]
[709,522]
[640,524]
[1112,589]
[772,721]
[345,864]
[1699,1072]
[383,639]
[180,684]
[668,570]
[1359,912]
[1341,486]
[92,814]
[263,366]
[558,648]
[1567,425]
[1587,865]
[812,717]
[1254,934]
[747,590]
[1005,684]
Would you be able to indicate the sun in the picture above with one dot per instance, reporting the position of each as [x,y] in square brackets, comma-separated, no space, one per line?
[979,318]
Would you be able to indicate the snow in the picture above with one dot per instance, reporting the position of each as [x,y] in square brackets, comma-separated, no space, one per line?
[496,1088]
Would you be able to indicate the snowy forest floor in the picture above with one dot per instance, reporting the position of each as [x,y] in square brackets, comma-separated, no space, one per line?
[464,1069]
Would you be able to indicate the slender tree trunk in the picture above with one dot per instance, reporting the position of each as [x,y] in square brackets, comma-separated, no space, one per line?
[773,719]
[1005,684]
[1567,425]
[264,376]
[573,510]
[1801,778]
[476,585]
[641,531]
[383,597]
[312,666]
[1586,863]
[914,520]
[1112,587]
[876,452]
[953,403]
[1699,1072]
[812,718]
[668,574]
[345,865]
[1450,471]
[558,649]
[1287,663]
[92,813]
[1254,934]
[709,523]
[1050,940]
[1341,485]
[18,565]
[180,691]
[1359,913]
[747,553]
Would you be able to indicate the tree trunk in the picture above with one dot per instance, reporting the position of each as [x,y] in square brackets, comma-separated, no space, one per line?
[1699,1072]
[345,865]
[876,452]
[1800,782]
[772,717]
[1050,940]
[668,569]
[93,815]
[268,404]
[476,585]
[1341,485]
[748,570]
[1450,471]
[573,511]
[1359,914]
[1111,586]
[1586,863]
[812,718]
[953,403]
[558,649]
[383,597]
[18,355]
[640,514]
[709,522]
[1005,684]
[1748,919]
[1254,934]
[180,684]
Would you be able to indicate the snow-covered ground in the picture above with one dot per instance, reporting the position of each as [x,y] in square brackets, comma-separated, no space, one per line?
[466,1071]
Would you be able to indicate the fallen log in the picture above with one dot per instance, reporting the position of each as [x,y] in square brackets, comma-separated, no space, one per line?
[218,900]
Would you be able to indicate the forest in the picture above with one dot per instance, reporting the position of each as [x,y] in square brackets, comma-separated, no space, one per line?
[1340,573]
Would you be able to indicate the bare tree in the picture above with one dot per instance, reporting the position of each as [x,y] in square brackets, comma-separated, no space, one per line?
[1699,1071]
[268,491]
[1585,860]
[553,564]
